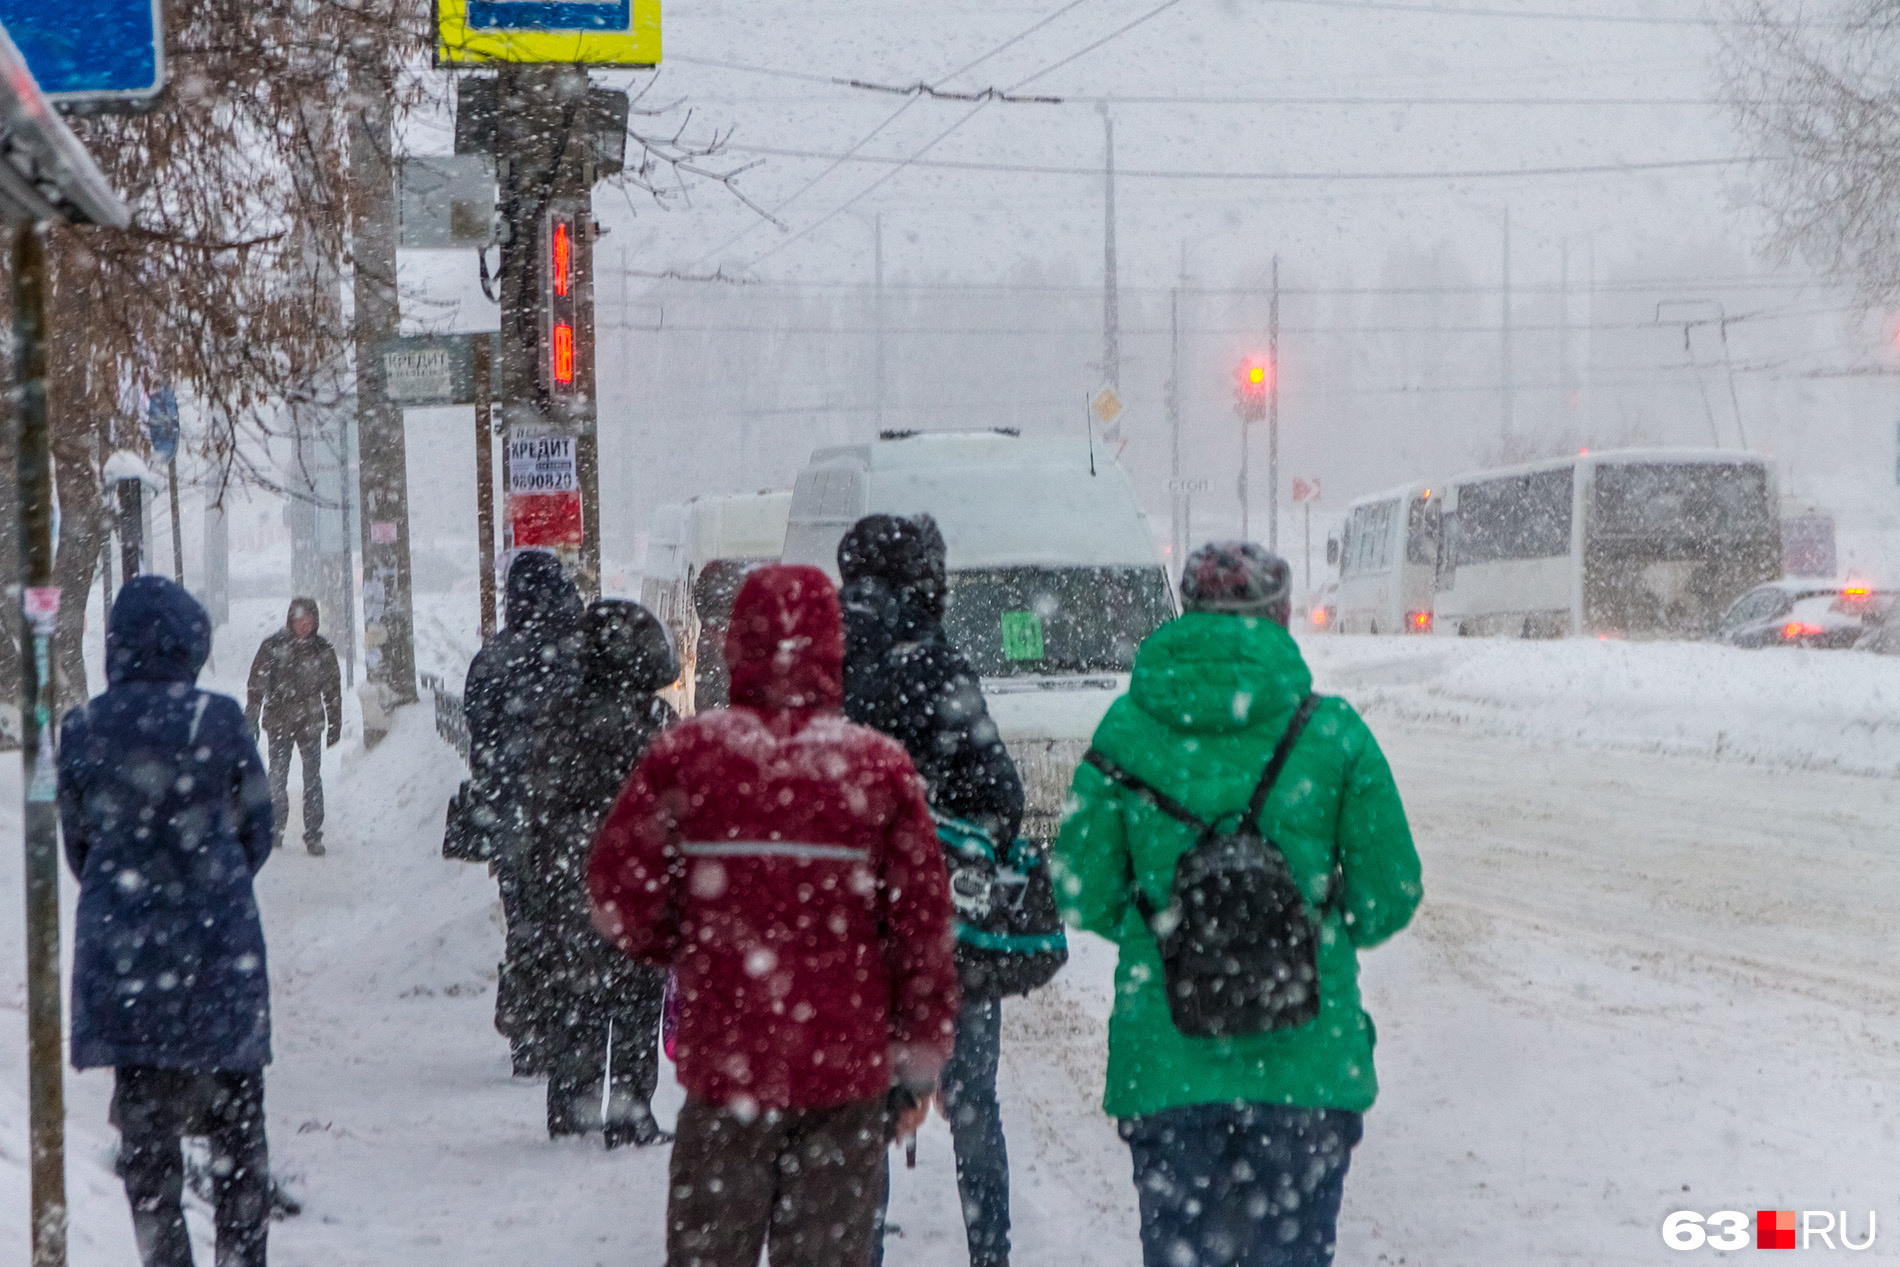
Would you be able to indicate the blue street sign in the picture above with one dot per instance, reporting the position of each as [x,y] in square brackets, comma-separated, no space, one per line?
[549,15]
[90,50]
[161,423]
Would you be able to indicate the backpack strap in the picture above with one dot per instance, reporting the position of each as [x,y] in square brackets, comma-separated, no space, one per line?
[1159,799]
[1301,715]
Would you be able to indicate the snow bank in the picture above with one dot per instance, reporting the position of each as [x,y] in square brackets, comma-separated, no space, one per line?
[1796,709]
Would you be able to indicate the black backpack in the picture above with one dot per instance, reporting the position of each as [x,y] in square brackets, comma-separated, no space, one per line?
[1239,950]
[1010,938]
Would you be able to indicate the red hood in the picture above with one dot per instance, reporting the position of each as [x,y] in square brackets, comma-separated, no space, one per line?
[785,646]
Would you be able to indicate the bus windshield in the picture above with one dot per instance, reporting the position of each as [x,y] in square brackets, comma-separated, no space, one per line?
[1688,499]
[1019,621]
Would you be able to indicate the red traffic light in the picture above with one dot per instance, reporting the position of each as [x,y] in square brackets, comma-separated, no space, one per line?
[1253,379]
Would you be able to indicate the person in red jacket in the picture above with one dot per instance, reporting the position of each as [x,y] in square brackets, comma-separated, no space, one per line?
[783,862]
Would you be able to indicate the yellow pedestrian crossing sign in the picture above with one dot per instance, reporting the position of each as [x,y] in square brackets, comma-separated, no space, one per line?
[590,32]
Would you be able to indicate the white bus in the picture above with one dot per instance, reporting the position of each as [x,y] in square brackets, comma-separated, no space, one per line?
[1634,543]
[1387,555]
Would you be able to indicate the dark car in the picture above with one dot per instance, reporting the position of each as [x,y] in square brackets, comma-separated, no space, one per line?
[1804,612]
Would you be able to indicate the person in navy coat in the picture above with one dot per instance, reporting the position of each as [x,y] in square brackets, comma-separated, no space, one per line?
[166,812]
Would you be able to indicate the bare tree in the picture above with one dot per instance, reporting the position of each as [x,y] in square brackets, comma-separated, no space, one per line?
[1816,87]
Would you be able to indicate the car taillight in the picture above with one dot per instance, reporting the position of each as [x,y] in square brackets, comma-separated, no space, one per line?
[1321,616]
[1419,622]
[1800,629]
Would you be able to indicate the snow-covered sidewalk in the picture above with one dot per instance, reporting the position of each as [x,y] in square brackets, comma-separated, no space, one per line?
[1640,982]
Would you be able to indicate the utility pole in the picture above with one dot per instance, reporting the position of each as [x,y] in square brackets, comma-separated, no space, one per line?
[1111,296]
[389,656]
[46,1103]
[877,299]
[1273,413]
[1504,332]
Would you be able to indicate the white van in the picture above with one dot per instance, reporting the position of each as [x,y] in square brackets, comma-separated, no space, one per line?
[1055,579]
[698,553]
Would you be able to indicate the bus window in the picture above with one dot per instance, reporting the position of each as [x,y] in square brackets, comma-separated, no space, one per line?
[1421,533]
[1368,539]
[1700,500]
[1516,517]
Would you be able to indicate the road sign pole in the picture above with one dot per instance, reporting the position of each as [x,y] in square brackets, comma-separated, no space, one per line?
[178,532]
[46,1104]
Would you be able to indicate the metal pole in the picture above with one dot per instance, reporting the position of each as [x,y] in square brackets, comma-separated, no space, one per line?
[178,531]
[1241,413]
[1111,296]
[1174,422]
[1273,413]
[1309,547]
[46,1108]
[877,298]
[485,482]
[1504,332]
[131,529]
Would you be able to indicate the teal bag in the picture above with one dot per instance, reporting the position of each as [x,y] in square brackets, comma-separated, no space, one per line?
[1010,938]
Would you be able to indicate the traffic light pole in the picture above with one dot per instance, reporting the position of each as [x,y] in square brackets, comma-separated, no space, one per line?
[1273,413]
[545,167]
[46,1102]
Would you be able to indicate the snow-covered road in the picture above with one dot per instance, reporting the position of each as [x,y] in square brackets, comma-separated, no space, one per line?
[1641,982]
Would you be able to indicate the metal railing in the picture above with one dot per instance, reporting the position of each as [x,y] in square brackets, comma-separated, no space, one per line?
[451,723]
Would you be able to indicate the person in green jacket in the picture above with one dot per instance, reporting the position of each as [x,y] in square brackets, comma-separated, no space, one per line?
[1240,1144]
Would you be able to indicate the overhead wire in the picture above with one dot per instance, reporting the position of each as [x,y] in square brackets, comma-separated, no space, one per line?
[944,79]
[1154,173]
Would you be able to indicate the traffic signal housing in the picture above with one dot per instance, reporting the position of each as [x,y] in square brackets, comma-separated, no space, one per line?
[1253,380]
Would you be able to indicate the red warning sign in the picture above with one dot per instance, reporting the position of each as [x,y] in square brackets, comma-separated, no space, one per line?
[545,519]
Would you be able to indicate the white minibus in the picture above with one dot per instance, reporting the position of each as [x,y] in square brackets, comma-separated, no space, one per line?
[1387,556]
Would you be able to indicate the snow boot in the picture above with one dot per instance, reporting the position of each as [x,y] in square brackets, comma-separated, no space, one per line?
[642,1132]
[315,846]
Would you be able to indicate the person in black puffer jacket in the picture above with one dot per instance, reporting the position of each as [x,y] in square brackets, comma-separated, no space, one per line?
[515,682]
[593,994]
[902,676]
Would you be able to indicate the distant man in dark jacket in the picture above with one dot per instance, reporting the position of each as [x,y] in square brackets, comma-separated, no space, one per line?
[602,1009]
[167,817]
[904,678]
[297,687]
[516,681]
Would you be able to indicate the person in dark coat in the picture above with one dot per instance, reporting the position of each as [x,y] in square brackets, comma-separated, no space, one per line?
[597,999]
[296,686]
[515,682]
[904,678]
[166,814]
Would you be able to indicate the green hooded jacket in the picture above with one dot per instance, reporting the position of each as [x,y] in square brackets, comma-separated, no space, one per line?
[1211,696]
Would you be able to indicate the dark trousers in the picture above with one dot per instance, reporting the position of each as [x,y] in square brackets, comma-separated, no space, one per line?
[520,1007]
[1240,1185]
[588,1045]
[805,1184]
[154,1108]
[309,745]
[976,1131]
